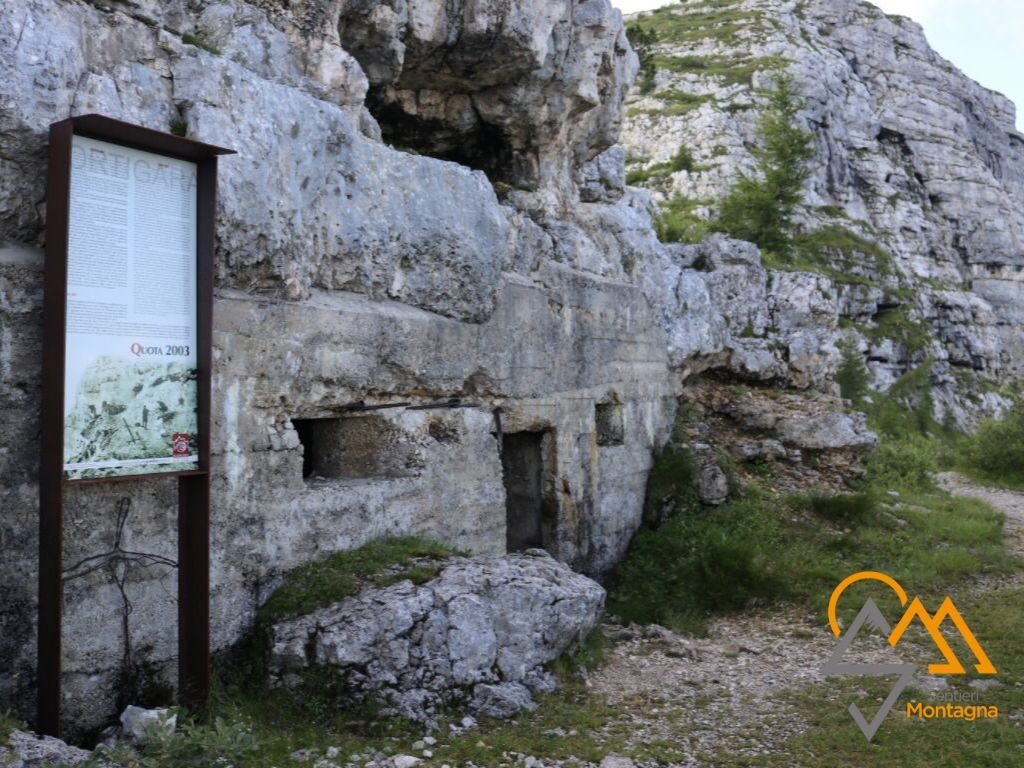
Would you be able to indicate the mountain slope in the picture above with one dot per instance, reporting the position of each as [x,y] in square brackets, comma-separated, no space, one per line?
[909,154]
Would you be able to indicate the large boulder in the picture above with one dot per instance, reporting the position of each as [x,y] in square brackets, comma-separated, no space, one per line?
[479,635]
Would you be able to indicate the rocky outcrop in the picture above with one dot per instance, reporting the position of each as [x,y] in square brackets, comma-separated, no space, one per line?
[27,750]
[464,81]
[479,636]
[910,155]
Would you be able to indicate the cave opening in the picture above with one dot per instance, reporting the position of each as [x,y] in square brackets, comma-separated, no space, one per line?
[468,141]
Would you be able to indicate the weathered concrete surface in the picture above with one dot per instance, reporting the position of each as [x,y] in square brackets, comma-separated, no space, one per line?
[478,636]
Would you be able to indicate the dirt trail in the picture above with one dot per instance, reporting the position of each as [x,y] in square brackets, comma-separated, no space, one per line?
[721,694]
[1010,503]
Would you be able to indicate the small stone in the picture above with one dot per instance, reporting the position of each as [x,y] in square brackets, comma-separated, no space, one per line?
[419,745]
[405,761]
[985,685]
[617,761]
[141,724]
[429,741]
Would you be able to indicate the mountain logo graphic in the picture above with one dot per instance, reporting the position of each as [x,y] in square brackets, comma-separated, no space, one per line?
[871,616]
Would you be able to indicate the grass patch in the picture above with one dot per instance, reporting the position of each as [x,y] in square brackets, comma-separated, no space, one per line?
[764,547]
[198,39]
[379,563]
[838,253]
[831,739]
[723,22]
[8,723]
[897,325]
[676,103]
[727,71]
[682,160]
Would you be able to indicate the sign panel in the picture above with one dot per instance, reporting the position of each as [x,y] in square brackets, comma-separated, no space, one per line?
[130,376]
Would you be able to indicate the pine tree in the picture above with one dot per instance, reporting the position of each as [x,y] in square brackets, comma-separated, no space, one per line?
[760,207]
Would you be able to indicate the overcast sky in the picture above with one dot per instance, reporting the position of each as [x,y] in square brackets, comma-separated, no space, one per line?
[984,38]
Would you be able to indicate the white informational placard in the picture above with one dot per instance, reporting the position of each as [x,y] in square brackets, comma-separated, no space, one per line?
[130,403]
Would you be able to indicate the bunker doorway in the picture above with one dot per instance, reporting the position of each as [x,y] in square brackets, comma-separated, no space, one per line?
[528,509]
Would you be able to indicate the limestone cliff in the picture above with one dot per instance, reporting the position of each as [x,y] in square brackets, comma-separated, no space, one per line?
[910,155]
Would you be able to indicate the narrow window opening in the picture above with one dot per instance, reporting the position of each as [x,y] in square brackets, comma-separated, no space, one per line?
[609,424]
[355,447]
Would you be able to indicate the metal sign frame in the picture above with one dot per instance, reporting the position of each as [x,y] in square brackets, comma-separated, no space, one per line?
[193,484]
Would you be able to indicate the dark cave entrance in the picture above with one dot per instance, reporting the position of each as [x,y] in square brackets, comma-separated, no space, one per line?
[480,146]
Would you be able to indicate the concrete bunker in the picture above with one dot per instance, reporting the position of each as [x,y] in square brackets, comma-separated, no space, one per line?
[530,507]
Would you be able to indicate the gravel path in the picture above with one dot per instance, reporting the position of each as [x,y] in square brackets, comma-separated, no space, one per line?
[728,683]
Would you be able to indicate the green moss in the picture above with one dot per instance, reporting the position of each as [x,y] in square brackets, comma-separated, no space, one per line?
[8,723]
[342,574]
[198,39]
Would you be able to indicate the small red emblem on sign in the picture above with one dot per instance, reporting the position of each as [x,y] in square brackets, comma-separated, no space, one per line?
[180,442]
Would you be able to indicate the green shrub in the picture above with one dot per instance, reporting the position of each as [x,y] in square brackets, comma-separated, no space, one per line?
[191,745]
[995,453]
[643,41]
[679,223]
[682,160]
[699,563]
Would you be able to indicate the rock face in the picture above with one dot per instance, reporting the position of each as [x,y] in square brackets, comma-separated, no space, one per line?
[349,274]
[464,80]
[910,155]
[478,636]
[439,308]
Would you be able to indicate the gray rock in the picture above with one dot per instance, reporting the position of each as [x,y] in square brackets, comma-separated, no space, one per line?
[26,750]
[140,724]
[487,625]
[826,431]
[501,700]
[712,484]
